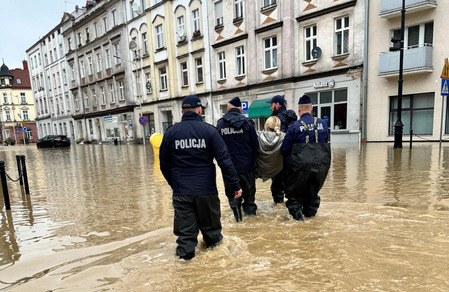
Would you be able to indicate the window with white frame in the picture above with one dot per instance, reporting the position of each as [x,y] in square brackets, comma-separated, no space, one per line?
[199,70]
[181,28]
[77,104]
[238,9]
[111,93]
[103,95]
[61,50]
[99,68]
[25,115]
[331,106]
[221,65]
[79,39]
[96,29]
[108,58]
[270,53]
[90,65]
[64,76]
[219,13]
[83,70]
[163,76]
[67,102]
[138,84]
[309,42]
[69,43]
[114,17]
[121,86]
[105,25]
[117,58]
[341,35]
[23,98]
[145,43]
[72,72]
[87,35]
[415,36]
[240,61]
[268,2]
[196,20]
[159,37]
[184,74]
[8,115]
[5,98]
[148,83]
[94,97]
[86,96]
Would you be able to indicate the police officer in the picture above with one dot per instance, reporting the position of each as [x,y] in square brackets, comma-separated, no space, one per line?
[240,137]
[287,117]
[186,158]
[308,160]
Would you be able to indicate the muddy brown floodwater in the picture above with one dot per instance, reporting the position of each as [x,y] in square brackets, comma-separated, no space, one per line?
[99,218]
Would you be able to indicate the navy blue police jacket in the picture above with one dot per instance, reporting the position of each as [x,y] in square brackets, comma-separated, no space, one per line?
[240,137]
[296,134]
[287,117]
[187,155]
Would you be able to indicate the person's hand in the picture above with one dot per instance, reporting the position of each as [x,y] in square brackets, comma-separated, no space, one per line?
[237,194]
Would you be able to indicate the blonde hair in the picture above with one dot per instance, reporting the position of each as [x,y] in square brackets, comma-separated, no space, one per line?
[273,124]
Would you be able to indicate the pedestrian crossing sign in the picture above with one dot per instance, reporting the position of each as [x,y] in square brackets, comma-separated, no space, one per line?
[444,87]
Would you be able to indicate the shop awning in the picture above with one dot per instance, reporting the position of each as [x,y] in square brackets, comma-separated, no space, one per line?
[259,108]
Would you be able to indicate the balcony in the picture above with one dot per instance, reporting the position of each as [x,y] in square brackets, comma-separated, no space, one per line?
[392,8]
[416,60]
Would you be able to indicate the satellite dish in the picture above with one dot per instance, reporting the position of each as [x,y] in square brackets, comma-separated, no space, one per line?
[316,52]
[180,32]
[135,7]
[132,45]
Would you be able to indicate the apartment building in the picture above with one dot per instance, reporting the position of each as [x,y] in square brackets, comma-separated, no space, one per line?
[424,111]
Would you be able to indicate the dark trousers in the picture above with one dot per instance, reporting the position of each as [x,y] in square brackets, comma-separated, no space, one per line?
[192,214]
[278,186]
[247,182]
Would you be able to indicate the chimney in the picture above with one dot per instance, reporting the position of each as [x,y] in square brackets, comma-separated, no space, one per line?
[25,65]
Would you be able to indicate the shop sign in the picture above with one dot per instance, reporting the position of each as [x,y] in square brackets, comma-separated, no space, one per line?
[330,83]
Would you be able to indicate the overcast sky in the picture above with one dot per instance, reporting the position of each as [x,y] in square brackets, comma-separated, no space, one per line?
[24,22]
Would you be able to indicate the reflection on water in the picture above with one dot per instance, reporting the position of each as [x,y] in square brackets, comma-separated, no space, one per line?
[99,217]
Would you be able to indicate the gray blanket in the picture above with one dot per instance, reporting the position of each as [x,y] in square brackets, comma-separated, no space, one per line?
[269,160]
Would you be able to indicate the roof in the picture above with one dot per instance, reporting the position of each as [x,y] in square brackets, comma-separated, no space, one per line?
[23,76]
[4,71]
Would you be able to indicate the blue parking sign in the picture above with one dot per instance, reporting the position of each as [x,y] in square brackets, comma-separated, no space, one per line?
[18,131]
[244,107]
[25,129]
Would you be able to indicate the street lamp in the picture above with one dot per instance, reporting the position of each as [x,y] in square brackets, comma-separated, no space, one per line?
[399,126]
[133,47]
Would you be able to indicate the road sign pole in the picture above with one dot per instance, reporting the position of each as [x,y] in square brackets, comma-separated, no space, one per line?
[442,114]
[444,92]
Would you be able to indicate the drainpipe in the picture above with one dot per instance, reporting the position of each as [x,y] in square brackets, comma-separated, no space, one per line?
[365,74]
[210,69]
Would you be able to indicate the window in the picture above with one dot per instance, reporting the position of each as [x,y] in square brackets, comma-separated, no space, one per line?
[342,35]
[99,62]
[25,115]
[417,113]
[159,37]
[118,60]
[309,42]
[184,74]
[148,83]
[111,95]
[415,36]
[64,76]
[145,43]
[108,58]
[238,9]
[5,98]
[67,102]
[268,2]
[83,72]
[114,17]
[103,95]
[196,20]
[181,29]
[221,65]
[94,97]
[219,13]
[199,70]
[240,61]
[121,86]
[90,65]
[138,85]
[23,98]
[8,115]
[270,53]
[86,96]
[79,39]
[72,72]
[61,50]
[87,35]
[105,25]
[163,74]
[331,106]
[96,29]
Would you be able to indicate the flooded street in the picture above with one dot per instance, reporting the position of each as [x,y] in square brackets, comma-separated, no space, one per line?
[99,218]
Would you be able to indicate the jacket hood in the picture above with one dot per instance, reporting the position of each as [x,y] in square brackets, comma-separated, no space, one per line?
[234,118]
[268,141]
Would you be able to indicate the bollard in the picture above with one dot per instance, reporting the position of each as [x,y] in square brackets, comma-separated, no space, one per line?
[4,185]
[411,136]
[19,169]
[25,175]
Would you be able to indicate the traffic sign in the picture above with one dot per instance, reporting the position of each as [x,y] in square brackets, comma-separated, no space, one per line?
[18,131]
[25,129]
[143,121]
[24,123]
[244,107]
[445,73]
[445,87]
